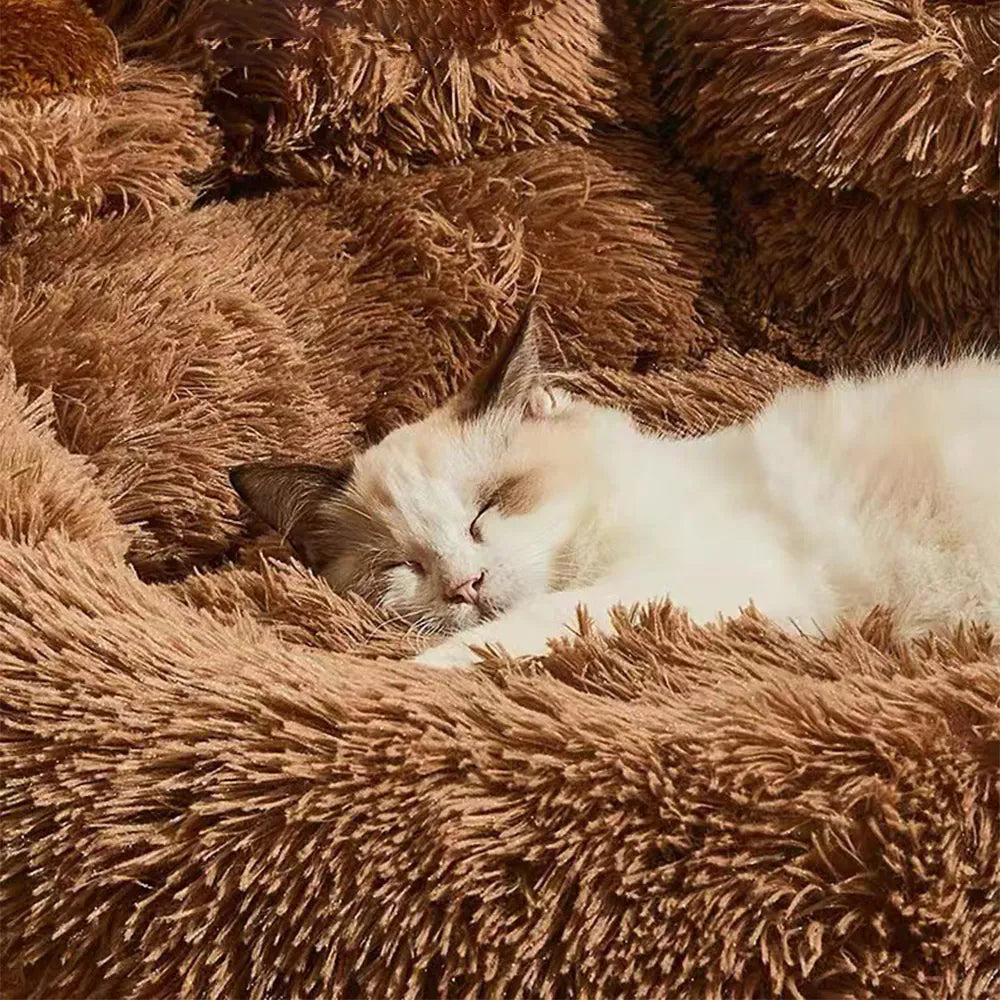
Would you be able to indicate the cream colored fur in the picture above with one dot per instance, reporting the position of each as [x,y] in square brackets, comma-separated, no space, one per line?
[881,491]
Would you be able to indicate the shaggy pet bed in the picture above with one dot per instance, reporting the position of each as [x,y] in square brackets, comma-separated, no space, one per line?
[272,229]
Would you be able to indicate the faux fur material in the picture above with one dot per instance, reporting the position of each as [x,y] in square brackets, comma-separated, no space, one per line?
[860,280]
[895,97]
[54,46]
[855,149]
[197,808]
[44,489]
[307,89]
[221,780]
[295,324]
[142,144]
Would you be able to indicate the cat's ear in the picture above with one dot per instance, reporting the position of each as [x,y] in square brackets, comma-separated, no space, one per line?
[513,379]
[291,499]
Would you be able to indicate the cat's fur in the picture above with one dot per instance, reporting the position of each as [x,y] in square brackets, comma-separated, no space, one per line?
[513,504]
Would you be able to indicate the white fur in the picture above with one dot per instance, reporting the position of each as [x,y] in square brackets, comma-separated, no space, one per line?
[882,491]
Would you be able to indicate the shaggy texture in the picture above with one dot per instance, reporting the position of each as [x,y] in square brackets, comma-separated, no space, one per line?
[202,809]
[222,780]
[899,97]
[303,321]
[45,490]
[861,280]
[53,46]
[142,144]
[854,149]
[305,89]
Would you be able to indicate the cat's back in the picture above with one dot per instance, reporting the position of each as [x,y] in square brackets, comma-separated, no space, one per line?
[924,415]
[919,397]
[894,478]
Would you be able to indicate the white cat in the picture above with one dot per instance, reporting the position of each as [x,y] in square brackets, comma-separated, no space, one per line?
[514,503]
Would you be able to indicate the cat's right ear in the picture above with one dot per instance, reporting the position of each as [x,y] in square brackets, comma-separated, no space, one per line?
[513,380]
[291,499]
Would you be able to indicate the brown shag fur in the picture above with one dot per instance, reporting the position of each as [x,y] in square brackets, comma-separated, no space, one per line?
[197,806]
[856,144]
[304,89]
[141,144]
[897,97]
[861,280]
[52,47]
[221,780]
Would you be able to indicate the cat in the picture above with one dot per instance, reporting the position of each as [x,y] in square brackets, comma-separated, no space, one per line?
[494,518]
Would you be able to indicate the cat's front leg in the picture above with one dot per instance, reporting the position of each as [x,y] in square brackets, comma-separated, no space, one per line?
[453,652]
[526,630]
[517,635]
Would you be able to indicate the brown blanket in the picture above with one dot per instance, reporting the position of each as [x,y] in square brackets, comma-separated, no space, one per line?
[273,228]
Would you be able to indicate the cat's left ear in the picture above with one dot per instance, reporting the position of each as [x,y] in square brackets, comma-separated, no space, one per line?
[295,501]
[513,380]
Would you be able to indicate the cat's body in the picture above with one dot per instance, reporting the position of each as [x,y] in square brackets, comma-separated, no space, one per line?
[513,505]
[834,500]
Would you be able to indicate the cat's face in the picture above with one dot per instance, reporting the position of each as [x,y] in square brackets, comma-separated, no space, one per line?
[445,522]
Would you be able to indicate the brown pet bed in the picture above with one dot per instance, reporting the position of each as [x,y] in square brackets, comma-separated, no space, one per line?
[274,228]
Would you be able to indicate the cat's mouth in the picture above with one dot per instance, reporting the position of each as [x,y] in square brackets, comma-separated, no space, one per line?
[475,614]
[488,609]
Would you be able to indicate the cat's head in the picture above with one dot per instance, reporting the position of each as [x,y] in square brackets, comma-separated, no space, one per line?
[450,520]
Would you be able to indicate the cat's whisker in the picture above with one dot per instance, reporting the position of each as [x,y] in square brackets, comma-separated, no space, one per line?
[424,626]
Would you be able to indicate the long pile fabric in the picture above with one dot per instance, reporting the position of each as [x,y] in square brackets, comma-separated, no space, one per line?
[276,229]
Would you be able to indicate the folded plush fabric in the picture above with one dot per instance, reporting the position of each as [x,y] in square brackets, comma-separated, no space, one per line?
[854,146]
[142,144]
[53,47]
[303,90]
[292,325]
[84,135]
[860,280]
[220,779]
[198,807]
[896,98]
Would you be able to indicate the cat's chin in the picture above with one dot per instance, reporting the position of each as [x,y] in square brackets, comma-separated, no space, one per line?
[474,615]
[468,616]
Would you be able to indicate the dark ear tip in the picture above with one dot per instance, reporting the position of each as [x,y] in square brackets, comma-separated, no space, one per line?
[534,317]
[238,476]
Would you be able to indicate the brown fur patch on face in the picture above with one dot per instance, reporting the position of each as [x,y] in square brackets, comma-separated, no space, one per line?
[356,541]
[519,494]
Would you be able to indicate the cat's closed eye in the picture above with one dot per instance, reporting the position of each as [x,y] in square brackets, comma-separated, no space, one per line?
[474,529]
[413,565]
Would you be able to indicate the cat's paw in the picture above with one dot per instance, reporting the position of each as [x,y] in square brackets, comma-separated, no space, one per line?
[448,654]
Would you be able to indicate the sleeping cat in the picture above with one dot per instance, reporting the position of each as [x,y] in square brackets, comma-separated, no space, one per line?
[504,510]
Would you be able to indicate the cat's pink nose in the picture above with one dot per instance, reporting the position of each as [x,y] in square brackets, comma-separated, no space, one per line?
[467,592]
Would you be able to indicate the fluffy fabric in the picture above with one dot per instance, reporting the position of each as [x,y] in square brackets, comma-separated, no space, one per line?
[217,782]
[196,808]
[855,149]
[161,29]
[53,46]
[306,89]
[141,144]
[858,279]
[894,96]
[45,490]
[299,322]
